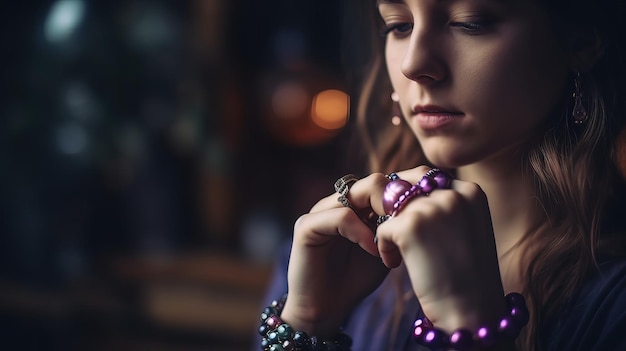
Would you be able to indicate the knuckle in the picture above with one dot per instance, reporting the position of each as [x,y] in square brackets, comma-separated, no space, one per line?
[379,179]
[300,223]
[440,202]
[374,179]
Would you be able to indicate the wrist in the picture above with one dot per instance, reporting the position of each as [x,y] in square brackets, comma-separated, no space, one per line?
[277,334]
[452,313]
[311,322]
[469,309]
[321,328]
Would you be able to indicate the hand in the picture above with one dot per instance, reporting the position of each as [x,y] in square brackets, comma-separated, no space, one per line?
[334,262]
[447,244]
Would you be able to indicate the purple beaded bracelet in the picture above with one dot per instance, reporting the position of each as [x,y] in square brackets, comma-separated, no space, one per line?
[279,336]
[508,328]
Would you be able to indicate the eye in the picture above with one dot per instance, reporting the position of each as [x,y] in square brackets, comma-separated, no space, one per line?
[398,29]
[472,28]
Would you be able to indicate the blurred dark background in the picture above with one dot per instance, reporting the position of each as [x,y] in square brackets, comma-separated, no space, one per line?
[153,155]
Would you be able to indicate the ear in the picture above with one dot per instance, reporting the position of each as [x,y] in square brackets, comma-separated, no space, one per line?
[587,50]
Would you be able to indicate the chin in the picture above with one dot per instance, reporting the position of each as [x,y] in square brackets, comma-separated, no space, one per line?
[444,153]
[448,160]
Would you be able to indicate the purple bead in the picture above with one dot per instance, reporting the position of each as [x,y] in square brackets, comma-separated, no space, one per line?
[427,184]
[268,312]
[520,315]
[423,322]
[462,340]
[508,328]
[418,333]
[420,328]
[434,339]
[486,337]
[393,190]
[443,180]
[514,299]
[273,322]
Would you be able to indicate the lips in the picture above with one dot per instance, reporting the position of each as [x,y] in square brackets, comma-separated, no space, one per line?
[431,117]
[417,109]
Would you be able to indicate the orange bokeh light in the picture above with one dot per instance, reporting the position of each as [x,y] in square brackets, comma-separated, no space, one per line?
[330,109]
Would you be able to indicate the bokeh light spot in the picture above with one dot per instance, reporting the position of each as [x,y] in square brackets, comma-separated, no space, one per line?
[330,109]
[63,19]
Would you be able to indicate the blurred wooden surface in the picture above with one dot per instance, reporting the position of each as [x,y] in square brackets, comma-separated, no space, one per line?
[214,293]
[172,303]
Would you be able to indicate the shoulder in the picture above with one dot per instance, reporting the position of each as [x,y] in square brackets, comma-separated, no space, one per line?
[595,318]
[603,295]
[606,285]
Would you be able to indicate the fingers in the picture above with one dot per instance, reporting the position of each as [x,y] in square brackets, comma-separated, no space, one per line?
[365,196]
[367,193]
[362,194]
[389,253]
[437,217]
[320,228]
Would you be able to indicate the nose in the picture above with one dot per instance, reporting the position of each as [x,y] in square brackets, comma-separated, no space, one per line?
[424,61]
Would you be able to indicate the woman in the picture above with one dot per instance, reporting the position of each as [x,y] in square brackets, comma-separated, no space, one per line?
[519,101]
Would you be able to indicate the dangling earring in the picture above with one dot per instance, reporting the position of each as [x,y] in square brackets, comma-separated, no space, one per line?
[396,118]
[579,112]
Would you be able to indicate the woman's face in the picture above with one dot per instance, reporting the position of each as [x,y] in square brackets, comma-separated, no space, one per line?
[475,78]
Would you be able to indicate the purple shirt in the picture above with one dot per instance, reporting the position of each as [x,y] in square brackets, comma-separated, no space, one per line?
[595,318]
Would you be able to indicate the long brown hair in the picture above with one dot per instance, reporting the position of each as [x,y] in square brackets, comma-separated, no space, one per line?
[576,167]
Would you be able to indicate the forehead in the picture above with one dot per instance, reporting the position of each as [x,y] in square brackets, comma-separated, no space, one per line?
[510,5]
[378,2]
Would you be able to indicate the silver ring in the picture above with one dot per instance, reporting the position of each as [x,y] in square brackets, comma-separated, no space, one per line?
[343,184]
[342,187]
[382,219]
[432,172]
[344,201]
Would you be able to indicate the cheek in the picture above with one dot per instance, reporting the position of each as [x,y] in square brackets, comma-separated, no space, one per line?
[393,60]
[523,81]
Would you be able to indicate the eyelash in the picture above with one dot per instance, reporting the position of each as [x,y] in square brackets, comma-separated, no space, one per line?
[393,28]
[472,28]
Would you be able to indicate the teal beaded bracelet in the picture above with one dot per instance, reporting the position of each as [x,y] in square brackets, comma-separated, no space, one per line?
[279,336]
